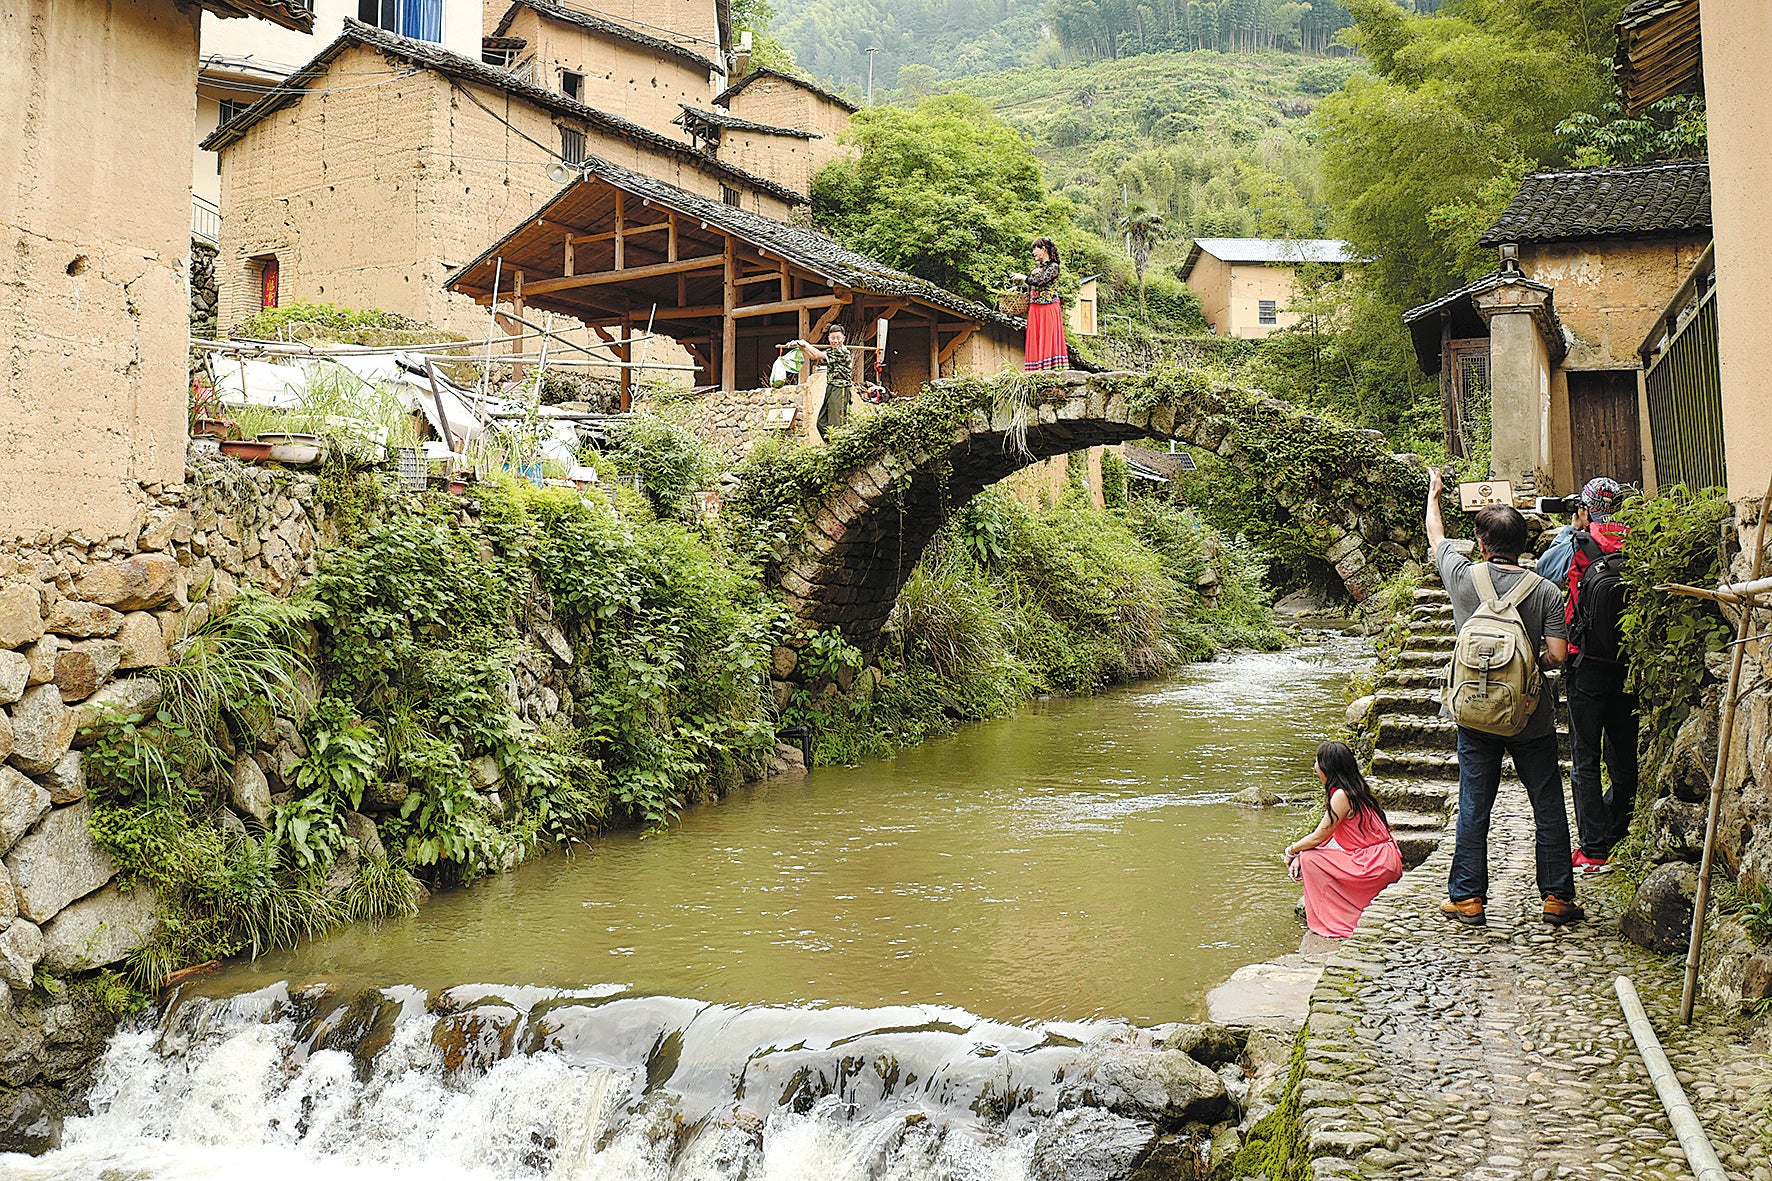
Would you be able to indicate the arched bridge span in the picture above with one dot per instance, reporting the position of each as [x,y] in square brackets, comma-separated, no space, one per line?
[1358,505]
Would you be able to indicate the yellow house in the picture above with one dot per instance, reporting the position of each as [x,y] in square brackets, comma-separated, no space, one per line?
[773,99]
[369,195]
[1543,355]
[98,106]
[1247,285]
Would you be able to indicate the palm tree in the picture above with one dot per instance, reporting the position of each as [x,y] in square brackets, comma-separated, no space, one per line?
[1143,226]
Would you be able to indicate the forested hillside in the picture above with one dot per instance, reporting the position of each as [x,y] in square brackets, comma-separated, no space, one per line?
[959,38]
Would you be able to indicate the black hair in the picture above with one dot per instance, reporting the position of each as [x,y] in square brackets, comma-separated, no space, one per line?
[837,327]
[1341,768]
[1051,250]
[1501,531]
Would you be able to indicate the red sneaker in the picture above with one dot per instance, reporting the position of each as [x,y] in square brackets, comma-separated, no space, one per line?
[1585,864]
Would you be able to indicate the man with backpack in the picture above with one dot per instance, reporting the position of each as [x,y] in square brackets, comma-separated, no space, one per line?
[1505,617]
[1588,556]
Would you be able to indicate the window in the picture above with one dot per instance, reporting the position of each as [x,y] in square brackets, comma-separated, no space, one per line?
[572,85]
[422,20]
[1270,312]
[572,145]
[230,109]
[264,271]
[732,197]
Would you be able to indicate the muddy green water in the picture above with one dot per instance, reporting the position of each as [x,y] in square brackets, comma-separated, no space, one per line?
[1077,859]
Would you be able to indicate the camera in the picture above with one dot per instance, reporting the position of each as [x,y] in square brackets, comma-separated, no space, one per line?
[1559,506]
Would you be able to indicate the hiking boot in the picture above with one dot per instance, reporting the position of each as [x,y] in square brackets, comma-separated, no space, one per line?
[1585,864]
[1468,911]
[1557,911]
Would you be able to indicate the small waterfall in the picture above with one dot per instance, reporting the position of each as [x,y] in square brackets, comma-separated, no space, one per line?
[485,1082]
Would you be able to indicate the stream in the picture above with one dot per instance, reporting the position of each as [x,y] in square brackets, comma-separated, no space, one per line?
[907,969]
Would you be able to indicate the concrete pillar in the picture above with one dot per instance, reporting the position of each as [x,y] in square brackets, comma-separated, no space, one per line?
[1519,383]
[1738,87]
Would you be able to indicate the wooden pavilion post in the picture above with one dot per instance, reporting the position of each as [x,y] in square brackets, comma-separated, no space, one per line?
[626,353]
[729,325]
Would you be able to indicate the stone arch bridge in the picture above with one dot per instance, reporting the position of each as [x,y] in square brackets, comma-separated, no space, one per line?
[1357,503]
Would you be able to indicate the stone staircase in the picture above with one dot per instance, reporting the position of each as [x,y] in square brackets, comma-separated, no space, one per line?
[1414,769]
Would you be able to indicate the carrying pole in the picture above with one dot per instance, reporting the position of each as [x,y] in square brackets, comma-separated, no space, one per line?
[1725,735]
[1700,1154]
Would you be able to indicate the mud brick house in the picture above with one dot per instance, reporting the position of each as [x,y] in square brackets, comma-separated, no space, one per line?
[98,103]
[644,76]
[1246,285]
[770,98]
[370,195]
[1542,358]
[243,60]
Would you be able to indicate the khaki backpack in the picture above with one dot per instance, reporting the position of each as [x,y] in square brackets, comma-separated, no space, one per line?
[1493,683]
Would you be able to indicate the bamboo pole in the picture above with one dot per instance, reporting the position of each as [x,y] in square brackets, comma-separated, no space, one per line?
[1700,1155]
[1725,735]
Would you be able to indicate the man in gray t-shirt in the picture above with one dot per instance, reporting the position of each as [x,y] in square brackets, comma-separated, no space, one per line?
[1501,536]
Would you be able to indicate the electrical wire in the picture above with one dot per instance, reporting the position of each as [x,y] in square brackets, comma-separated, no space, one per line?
[270,88]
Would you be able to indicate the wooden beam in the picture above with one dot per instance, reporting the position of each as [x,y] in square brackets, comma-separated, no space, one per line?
[952,346]
[728,323]
[671,243]
[621,225]
[826,320]
[745,311]
[787,283]
[759,277]
[698,311]
[651,270]
[629,231]
[934,351]
[569,260]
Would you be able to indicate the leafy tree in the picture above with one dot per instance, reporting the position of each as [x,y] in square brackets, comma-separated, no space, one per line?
[1673,128]
[767,50]
[1143,226]
[945,190]
[1420,154]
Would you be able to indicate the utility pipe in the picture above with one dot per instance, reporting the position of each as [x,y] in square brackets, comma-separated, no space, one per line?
[1725,737]
[1700,1156]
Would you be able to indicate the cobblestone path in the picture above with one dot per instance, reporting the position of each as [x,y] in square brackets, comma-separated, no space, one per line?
[1497,1053]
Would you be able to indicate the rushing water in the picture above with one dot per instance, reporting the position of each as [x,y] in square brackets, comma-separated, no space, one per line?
[897,967]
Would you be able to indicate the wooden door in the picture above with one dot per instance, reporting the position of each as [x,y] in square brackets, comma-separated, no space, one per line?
[1603,426]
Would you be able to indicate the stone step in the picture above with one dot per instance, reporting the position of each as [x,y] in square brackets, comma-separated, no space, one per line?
[1403,820]
[1422,764]
[1417,847]
[1432,593]
[1395,701]
[1418,659]
[1411,676]
[1415,795]
[1440,645]
[1417,733]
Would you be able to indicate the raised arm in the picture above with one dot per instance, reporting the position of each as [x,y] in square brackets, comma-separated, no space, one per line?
[1436,525]
[810,349]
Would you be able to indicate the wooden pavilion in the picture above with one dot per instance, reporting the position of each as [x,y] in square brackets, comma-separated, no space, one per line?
[617,250]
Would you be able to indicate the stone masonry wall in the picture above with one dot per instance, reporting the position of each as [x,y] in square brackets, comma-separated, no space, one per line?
[83,622]
[732,423]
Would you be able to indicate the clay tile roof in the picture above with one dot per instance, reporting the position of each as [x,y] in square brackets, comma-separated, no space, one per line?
[291,14]
[1632,200]
[603,28]
[803,247]
[734,123]
[431,56]
[503,42]
[725,97]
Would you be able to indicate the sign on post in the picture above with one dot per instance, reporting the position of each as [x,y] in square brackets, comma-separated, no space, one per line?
[1484,493]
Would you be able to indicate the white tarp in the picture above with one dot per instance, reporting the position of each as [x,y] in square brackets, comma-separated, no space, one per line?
[283,384]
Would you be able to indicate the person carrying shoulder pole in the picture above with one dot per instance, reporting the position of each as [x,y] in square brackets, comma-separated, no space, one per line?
[1509,624]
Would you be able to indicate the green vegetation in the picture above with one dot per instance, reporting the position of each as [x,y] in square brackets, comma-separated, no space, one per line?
[305,320]
[945,190]
[1673,538]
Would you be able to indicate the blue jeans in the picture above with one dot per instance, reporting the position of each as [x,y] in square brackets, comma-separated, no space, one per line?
[1479,778]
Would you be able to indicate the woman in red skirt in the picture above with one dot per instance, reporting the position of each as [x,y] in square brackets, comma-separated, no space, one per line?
[1046,348]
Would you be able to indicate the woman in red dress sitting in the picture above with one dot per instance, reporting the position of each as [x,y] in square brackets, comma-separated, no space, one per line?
[1351,856]
[1046,348]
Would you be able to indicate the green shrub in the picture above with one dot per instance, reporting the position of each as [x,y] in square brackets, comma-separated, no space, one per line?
[671,462]
[321,319]
[1673,538]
